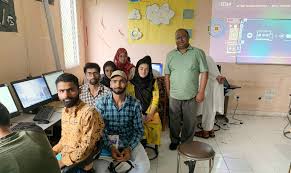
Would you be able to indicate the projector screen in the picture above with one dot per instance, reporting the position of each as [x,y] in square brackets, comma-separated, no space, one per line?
[246,31]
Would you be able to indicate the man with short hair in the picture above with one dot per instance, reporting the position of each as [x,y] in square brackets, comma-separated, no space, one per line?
[122,115]
[82,126]
[92,88]
[24,151]
[183,67]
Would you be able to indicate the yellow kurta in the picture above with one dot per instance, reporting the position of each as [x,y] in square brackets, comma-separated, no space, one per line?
[152,129]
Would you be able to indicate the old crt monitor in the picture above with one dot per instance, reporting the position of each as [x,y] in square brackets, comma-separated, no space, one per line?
[7,100]
[50,79]
[158,67]
[32,93]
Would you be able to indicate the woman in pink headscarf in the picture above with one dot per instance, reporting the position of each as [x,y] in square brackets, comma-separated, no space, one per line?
[122,63]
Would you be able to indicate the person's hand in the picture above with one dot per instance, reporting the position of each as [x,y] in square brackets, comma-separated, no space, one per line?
[126,153]
[61,164]
[149,117]
[220,79]
[116,155]
[200,97]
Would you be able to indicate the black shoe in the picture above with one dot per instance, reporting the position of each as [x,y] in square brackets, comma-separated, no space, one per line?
[173,146]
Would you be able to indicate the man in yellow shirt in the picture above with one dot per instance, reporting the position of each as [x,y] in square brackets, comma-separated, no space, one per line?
[82,125]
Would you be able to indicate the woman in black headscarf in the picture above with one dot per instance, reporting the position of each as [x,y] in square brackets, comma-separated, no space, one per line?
[146,90]
[108,68]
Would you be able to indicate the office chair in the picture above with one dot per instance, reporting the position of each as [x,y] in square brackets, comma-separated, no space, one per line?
[93,156]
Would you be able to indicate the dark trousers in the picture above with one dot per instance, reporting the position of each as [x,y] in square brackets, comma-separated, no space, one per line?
[182,111]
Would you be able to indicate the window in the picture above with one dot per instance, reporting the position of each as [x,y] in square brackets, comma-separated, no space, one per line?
[70,33]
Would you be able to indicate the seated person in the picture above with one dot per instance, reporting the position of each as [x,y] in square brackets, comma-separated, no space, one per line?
[213,102]
[122,117]
[145,89]
[82,126]
[24,151]
[108,68]
[122,63]
[92,89]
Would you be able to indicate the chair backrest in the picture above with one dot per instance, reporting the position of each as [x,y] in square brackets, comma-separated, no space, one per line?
[93,156]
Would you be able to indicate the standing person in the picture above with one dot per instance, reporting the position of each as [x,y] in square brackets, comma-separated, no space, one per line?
[183,67]
[214,100]
[92,89]
[82,125]
[122,63]
[108,68]
[24,151]
[146,90]
[123,119]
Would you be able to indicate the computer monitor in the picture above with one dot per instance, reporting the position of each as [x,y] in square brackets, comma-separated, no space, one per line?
[7,100]
[32,93]
[158,67]
[50,79]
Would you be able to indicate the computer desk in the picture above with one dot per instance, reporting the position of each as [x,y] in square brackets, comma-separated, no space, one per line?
[56,117]
[23,117]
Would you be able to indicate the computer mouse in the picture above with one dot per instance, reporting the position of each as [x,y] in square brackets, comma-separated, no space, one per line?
[43,122]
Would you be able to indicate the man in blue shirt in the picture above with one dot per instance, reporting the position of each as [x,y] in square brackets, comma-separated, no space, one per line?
[123,122]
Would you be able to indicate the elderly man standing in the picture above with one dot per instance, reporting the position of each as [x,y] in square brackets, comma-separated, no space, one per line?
[183,67]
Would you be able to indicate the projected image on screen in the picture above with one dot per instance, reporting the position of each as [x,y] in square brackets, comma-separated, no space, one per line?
[7,100]
[32,92]
[265,41]
[228,29]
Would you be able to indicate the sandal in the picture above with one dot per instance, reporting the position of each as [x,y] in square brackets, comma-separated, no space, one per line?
[211,134]
[202,134]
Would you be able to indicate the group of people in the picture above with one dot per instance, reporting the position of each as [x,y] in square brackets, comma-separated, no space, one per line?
[121,105]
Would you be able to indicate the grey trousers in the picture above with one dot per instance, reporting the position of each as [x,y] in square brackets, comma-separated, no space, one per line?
[182,111]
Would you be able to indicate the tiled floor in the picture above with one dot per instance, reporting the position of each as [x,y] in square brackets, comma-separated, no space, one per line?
[256,146]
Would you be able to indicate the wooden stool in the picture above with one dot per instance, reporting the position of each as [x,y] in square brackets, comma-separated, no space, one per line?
[195,151]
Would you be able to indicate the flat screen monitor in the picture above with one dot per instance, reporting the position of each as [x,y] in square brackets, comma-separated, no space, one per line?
[157,67]
[32,93]
[50,79]
[7,100]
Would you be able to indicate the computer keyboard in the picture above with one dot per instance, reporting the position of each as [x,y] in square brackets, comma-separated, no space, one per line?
[22,126]
[44,114]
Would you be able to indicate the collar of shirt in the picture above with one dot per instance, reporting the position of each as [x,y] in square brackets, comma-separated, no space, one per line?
[188,48]
[73,110]
[126,102]
[99,89]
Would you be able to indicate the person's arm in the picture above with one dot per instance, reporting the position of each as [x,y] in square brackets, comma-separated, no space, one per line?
[58,147]
[138,127]
[203,83]
[155,102]
[92,127]
[167,73]
[100,108]
[203,68]
[167,83]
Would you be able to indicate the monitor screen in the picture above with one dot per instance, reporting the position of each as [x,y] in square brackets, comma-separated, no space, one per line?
[7,100]
[158,67]
[32,92]
[50,79]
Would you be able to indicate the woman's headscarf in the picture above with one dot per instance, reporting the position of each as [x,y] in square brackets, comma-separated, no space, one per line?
[144,86]
[105,80]
[125,66]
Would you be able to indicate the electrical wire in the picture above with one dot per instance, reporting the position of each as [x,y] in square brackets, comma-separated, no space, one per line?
[234,113]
